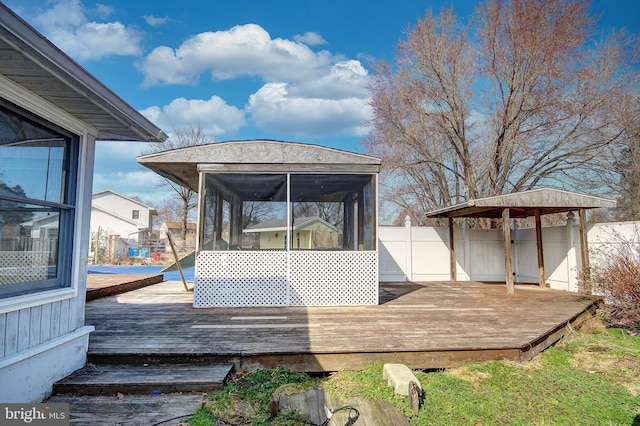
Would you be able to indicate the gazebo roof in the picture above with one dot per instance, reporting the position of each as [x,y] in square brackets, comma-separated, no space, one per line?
[524,204]
[269,156]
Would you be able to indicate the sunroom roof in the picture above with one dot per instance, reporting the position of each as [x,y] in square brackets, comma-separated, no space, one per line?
[183,165]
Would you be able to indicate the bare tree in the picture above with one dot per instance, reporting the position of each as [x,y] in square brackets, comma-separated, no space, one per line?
[170,209]
[518,97]
[328,211]
[254,212]
[621,163]
[183,138]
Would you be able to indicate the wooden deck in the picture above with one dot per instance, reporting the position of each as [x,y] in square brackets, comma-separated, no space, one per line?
[423,325]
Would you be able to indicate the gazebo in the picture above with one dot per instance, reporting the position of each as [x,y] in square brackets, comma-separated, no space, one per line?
[536,203]
[246,188]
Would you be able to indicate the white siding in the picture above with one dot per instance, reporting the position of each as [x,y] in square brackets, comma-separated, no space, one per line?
[115,214]
[112,225]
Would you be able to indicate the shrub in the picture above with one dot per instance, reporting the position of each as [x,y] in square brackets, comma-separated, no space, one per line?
[615,275]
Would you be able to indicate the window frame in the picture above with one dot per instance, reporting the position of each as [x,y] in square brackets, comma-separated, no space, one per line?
[67,209]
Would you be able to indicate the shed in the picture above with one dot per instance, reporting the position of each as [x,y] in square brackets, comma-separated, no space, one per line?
[536,202]
[52,111]
[249,184]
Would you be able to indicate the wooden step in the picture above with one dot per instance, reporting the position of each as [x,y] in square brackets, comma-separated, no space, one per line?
[102,410]
[143,379]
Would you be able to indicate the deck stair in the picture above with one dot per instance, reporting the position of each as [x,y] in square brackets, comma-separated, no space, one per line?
[143,379]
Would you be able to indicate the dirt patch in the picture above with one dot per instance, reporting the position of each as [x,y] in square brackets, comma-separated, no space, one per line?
[473,377]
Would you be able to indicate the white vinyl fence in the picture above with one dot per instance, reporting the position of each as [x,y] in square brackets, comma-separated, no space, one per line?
[422,253]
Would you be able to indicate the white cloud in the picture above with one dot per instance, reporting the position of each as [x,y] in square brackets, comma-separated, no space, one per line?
[310,39]
[63,13]
[68,26]
[214,116]
[155,21]
[242,50]
[306,93]
[336,103]
[103,10]
[274,110]
[143,183]
[344,79]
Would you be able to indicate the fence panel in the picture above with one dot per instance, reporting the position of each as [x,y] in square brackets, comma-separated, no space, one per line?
[422,253]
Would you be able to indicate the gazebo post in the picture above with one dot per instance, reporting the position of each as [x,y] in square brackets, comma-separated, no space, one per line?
[541,278]
[360,219]
[452,252]
[584,251]
[508,265]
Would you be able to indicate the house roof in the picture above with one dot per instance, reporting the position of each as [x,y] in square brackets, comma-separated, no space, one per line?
[49,217]
[262,155]
[140,203]
[524,204]
[33,62]
[281,224]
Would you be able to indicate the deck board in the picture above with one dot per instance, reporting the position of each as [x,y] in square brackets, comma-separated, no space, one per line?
[428,325]
[103,285]
[143,379]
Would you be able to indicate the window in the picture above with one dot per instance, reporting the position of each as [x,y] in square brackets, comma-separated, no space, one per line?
[135,214]
[332,212]
[37,203]
[244,211]
[248,211]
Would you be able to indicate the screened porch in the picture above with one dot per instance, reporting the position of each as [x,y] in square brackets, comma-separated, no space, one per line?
[299,230]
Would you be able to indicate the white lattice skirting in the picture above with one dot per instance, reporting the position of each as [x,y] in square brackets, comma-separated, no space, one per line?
[23,266]
[279,278]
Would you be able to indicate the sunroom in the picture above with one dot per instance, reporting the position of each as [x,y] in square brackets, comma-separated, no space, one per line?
[280,223]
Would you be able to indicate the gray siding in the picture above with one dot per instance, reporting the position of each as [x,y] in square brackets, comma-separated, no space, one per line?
[27,328]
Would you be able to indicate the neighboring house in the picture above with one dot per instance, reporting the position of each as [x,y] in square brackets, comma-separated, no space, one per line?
[116,214]
[308,233]
[44,226]
[175,229]
[52,111]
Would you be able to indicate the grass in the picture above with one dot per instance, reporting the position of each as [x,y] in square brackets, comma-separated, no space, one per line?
[588,378]
[245,400]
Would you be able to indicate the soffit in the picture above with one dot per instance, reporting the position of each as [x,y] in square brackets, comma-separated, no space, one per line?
[33,62]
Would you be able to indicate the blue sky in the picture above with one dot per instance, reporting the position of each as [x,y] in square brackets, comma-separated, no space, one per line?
[281,69]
